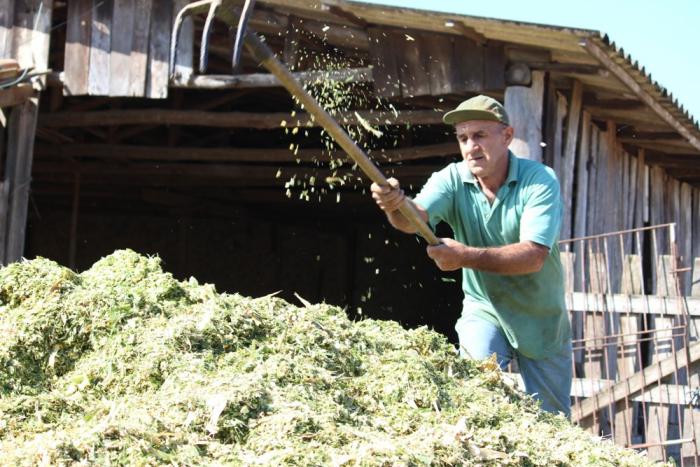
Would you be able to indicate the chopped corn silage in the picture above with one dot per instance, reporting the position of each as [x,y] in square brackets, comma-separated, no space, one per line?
[124,365]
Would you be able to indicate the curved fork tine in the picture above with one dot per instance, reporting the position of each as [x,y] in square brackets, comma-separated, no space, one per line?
[177,27]
[241,32]
[206,32]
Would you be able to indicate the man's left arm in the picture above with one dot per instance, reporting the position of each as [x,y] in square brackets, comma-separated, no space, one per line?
[524,257]
[539,230]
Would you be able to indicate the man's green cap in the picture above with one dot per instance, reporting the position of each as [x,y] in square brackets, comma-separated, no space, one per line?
[477,108]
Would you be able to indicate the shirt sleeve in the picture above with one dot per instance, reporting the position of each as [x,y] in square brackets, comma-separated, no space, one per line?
[436,197]
[541,217]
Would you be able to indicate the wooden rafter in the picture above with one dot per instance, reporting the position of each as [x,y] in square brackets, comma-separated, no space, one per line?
[228,119]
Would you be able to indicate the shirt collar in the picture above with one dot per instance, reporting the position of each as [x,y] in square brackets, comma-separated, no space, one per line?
[468,177]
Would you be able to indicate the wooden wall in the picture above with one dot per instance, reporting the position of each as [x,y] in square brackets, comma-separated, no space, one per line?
[122,47]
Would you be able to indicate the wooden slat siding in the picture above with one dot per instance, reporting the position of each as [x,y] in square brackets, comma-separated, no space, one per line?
[592,206]
[628,359]
[77,56]
[624,192]
[632,194]
[412,59]
[685,234]
[7,15]
[568,263]
[582,166]
[185,46]
[524,107]
[122,39]
[661,347]
[383,57]
[139,48]
[691,417]
[467,64]
[21,129]
[99,75]
[594,332]
[438,50]
[495,61]
[157,77]
[657,237]
[569,158]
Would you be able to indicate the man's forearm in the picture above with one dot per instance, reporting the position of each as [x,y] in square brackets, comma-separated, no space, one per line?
[400,222]
[513,259]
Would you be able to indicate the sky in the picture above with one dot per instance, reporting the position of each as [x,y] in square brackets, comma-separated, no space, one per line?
[663,35]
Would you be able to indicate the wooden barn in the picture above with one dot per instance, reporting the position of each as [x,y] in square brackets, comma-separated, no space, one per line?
[226,177]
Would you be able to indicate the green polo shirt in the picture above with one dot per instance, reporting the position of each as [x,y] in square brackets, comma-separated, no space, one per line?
[529,308]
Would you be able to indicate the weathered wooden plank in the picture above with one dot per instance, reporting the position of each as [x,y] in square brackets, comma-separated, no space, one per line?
[636,383]
[495,61]
[100,47]
[439,48]
[77,52]
[630,355]
[592,204]
[685,234]
[412,52]
[582,163]
[70,119]
[267,80]
[385,69]
[558,143]
[595,332]
[18,170]
[125,152]
[467,66]
[159,50]
[16,95]
[524,107]
[643,305]
[662,347]
[569,158]
[139,48]
[122,37]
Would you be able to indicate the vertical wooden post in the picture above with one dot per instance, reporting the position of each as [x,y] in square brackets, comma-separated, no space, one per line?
[569,159]
[20,150]
[629,358]
[524,107]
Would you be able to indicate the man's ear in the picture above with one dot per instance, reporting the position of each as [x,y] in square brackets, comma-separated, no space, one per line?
[508,134]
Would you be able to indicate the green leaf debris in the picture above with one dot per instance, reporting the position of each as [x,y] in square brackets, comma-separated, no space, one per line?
[125,365]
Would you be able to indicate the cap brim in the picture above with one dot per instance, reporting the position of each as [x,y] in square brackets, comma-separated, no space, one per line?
[458,116]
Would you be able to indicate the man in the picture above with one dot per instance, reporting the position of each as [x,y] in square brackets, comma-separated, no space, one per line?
[505,213]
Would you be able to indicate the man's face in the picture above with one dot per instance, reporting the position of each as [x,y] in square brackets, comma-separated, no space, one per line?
[484,146]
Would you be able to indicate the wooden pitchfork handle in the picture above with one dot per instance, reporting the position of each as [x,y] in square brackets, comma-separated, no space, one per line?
[266,57]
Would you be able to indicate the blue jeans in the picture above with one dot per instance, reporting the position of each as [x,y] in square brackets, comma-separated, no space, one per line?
[548,380]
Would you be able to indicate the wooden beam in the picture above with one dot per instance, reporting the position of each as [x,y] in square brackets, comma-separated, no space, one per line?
[635,87]
[637,382]
[16,95]
[631,304]
[267,80]
[160,153]
[576,68]
[229,119]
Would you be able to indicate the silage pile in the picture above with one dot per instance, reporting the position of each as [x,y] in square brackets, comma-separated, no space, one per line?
[124,365]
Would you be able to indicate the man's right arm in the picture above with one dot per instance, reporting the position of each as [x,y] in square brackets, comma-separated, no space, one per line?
[389,198]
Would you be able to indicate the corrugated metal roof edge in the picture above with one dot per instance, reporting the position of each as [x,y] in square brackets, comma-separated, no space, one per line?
[660,93]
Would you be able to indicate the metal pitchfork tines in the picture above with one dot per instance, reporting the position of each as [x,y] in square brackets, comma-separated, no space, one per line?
[229,14]
[238,13]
